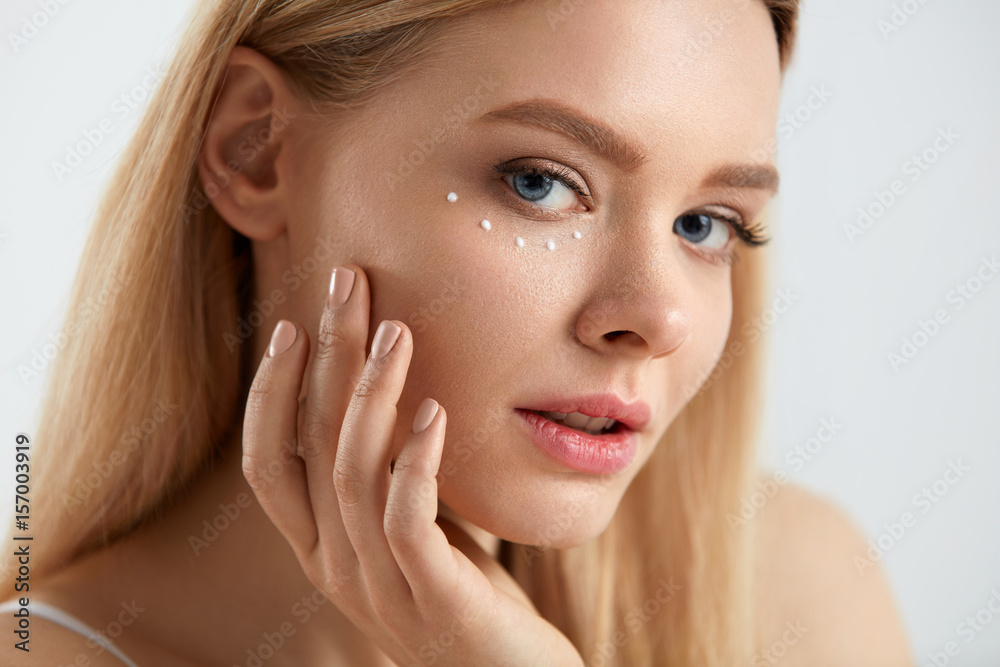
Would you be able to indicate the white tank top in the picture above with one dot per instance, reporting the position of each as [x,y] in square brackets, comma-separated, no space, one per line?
[56,615]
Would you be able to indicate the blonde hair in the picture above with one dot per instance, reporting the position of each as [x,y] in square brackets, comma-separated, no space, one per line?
[145,390]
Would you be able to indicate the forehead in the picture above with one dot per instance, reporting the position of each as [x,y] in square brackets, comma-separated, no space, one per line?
[679,77]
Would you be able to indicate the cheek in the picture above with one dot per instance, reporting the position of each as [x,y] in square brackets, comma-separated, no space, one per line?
[471,311]
[709,351]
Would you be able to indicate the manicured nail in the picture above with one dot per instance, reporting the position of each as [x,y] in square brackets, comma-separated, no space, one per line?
[425,415]
[385,338]
[282,338]
[341,284]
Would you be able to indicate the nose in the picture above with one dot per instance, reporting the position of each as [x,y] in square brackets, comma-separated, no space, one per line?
[643,310]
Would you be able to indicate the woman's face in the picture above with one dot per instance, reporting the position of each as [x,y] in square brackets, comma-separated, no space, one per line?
[624,122]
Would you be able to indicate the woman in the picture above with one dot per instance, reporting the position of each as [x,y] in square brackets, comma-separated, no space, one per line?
[543,216]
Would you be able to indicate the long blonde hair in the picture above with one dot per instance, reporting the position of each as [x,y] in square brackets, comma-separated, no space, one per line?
[147,388]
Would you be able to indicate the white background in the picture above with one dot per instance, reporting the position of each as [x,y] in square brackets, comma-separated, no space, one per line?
[855,299]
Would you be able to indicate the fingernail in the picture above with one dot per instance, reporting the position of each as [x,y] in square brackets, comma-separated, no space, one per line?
[282,338]
[425,415]
[385,338]
[341,284]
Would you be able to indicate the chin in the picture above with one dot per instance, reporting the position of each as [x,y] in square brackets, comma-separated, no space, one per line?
[556,515]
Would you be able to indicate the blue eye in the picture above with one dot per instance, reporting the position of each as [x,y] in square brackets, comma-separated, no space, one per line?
[548,188]
[703,230]
[540,189]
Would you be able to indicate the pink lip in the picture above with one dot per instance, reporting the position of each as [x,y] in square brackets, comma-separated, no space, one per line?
[635,415]
[604,454]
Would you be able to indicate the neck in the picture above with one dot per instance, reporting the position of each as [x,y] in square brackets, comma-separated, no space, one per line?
[223,565]
[488,542]
[224,559]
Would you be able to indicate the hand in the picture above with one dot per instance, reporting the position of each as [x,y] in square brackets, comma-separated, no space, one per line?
[364,535]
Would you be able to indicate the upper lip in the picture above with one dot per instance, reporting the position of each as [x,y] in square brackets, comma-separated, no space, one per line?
[634,415]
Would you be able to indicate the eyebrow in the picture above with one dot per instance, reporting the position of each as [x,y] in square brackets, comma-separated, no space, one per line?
[609,144]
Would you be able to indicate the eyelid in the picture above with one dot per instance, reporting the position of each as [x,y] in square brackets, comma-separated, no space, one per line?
[553,170]
[724,256]
[750,234]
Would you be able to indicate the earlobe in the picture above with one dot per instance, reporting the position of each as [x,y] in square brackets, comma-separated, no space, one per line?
[241,162]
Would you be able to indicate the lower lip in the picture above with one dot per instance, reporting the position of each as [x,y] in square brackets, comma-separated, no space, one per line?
[605,454]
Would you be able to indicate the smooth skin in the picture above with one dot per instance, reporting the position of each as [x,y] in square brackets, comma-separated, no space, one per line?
[363,535]
[501,328]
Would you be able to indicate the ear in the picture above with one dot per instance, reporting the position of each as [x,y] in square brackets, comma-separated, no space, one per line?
[243,162]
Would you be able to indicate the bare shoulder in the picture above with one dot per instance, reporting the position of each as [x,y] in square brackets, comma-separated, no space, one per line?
[52,644]
[84,592]
[821,600]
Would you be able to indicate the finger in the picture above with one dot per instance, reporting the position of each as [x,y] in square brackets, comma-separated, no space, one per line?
[337,365]
[418,544]
[361,472]
[276,475]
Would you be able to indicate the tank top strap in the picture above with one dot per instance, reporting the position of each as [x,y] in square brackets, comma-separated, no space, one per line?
[60,617]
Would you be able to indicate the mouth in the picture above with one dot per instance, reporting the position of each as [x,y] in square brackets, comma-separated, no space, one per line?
[599,446]
[581,422]
[594,413]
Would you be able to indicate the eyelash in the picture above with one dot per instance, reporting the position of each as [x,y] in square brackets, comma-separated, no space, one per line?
[556,173]
[751,235]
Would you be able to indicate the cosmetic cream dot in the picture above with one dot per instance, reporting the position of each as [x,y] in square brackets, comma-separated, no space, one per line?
[551,245]
[519,241]
[485,224]
[452,197]
[577,235]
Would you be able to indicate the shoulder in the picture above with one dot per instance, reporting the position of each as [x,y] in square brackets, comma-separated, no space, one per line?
[822,600]
[52,644]
[81,593]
